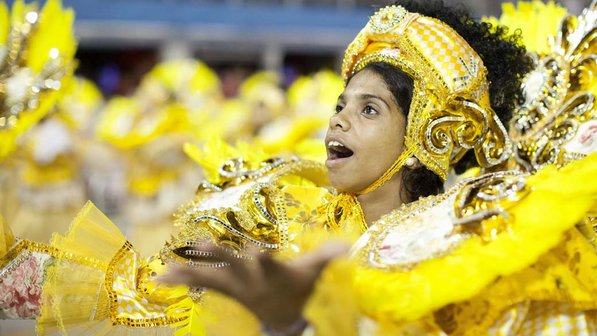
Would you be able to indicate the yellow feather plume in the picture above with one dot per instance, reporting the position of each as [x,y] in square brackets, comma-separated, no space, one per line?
[54,38]
[316,94]
[81,100]
[190,315]
[212,155]
[537,21]
[4,25]
[50,38]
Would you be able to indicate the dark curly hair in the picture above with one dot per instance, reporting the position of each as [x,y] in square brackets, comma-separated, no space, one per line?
[504,57]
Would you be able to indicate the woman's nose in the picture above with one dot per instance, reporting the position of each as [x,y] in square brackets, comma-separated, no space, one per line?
[340,121]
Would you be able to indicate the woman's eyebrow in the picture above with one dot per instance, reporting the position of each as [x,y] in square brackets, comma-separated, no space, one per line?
[364,96]
[370,96]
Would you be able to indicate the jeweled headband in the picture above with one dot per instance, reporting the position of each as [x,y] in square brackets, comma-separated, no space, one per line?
[450,111]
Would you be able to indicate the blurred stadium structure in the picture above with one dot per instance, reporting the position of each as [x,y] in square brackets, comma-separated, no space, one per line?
[122,39]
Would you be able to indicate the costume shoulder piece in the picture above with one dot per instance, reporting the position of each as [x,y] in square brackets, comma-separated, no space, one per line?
[557,123]
[262,204]
[449,248]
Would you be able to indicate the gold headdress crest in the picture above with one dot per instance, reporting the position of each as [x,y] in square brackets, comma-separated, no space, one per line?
[450,112]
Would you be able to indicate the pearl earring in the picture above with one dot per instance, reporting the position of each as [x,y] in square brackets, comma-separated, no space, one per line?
[410,162]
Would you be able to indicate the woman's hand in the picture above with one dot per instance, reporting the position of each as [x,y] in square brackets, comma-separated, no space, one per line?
[275,291]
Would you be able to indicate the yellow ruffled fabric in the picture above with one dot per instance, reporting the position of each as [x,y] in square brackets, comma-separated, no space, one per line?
[540,257]
[565,275]
[96,284]
[74,292]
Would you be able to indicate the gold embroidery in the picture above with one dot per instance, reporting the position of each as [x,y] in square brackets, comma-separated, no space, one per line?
[559,98]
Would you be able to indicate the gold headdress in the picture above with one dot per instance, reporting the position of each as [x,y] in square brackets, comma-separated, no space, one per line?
[450,112]
[557,123]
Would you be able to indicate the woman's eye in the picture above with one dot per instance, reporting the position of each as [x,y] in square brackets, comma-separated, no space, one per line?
[369,110]
[339,108]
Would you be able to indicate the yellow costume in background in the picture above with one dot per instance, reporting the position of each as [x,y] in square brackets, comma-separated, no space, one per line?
[36,52]
[260,100]
[50,166]
[302,129]
[174,102]
[36,56]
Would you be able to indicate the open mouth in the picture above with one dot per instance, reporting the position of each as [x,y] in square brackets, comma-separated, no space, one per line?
[336,150]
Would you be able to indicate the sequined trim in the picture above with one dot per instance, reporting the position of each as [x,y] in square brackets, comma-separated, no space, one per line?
[368,251]
[27,245]
[127,247]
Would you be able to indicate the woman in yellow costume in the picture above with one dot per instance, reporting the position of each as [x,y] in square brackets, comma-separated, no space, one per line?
[497,254]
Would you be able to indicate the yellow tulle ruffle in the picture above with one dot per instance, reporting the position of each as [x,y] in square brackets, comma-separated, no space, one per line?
[74,293]
[96,284]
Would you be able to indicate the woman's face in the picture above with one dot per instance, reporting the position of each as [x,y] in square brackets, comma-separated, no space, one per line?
[365,135]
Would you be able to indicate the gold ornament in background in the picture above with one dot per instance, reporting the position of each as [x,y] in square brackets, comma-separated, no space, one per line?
[450,112]
[36,58]
[557,122]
